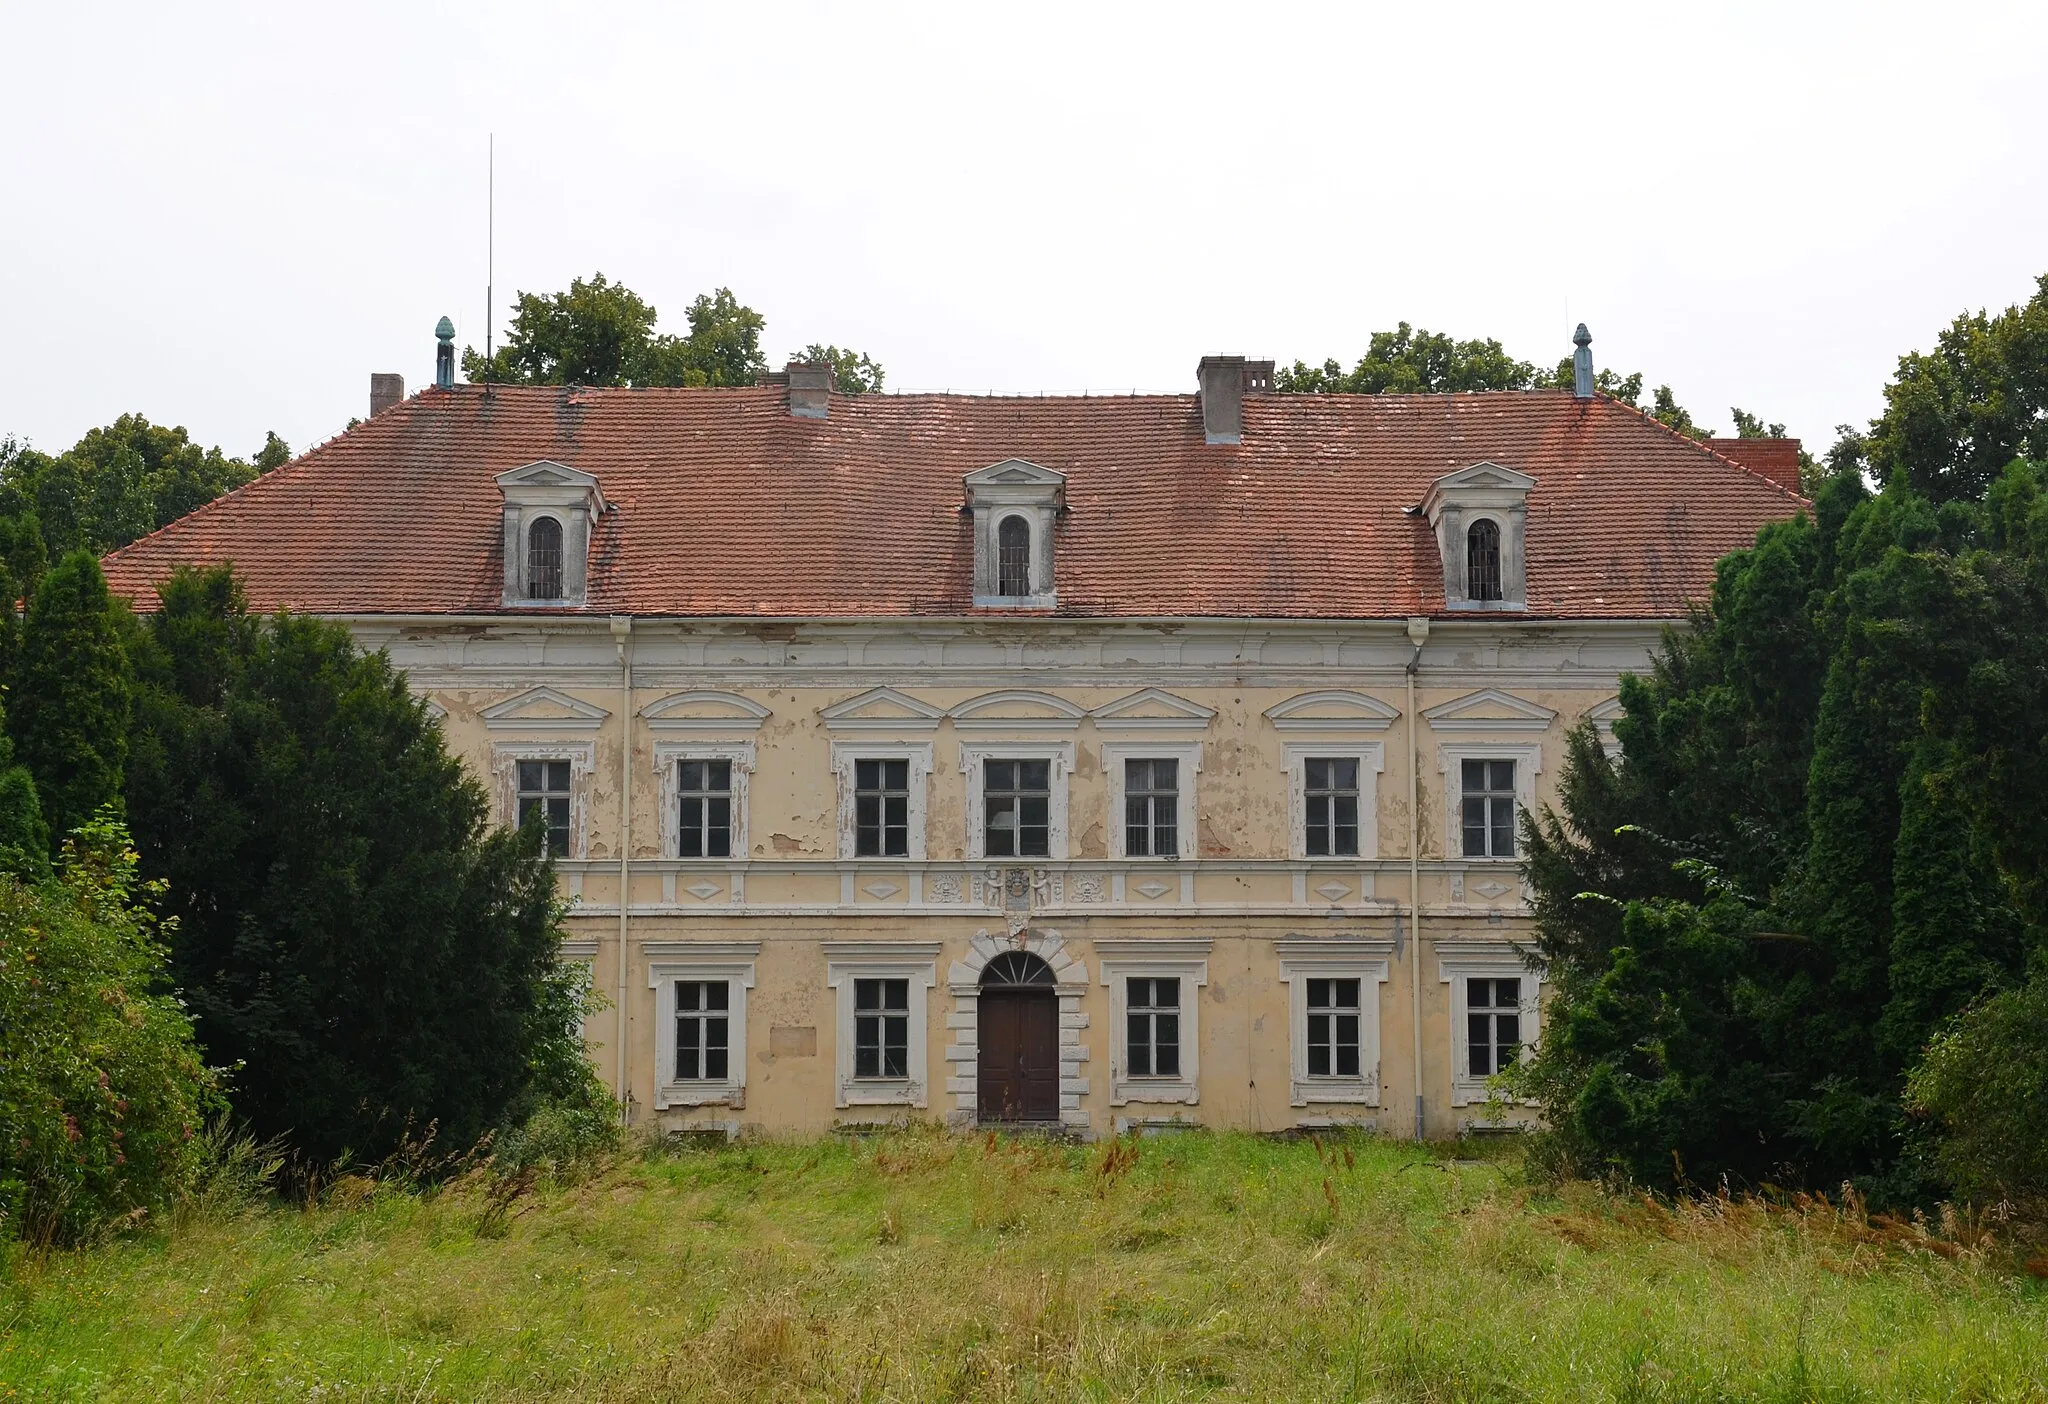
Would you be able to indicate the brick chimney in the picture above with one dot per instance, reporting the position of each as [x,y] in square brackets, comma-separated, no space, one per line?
[386,390]
[1223,382]
[810,388]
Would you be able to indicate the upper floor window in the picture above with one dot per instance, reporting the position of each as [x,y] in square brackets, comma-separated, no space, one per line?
[544,559]
[881,808]
[1152,808]
[704,828]
[1330,791]
[544,799]
[1017,808]
[1482,560]
[1489,808]
[1013,557]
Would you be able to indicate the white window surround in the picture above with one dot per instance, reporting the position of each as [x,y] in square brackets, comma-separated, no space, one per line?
[1604,715]
[919,754]
[1476,958]
[1371,758]
[581,755]
[730,961]
[1184,959]
[1189,754]
[972,757]
[666,754]
[1364,959]
[1481,491]
[1450,758]
[915,961]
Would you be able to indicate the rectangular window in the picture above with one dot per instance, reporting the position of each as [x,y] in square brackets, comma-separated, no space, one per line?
[1493,1024]
[1333,1013]
[1017,805]
[881,1028]
[881,808]
[1152,1026]
[544,799]
[1152,808]
[702,1020]
[1331,790]
[705,830]
[1489,787]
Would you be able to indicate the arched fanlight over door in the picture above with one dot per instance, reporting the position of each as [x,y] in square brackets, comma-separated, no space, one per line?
[1015,970]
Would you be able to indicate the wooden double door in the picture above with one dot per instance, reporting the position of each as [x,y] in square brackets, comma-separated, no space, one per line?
[1019,1067]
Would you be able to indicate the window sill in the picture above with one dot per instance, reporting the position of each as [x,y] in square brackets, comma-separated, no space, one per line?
[880,1093]
[1016,601]
[1487,606]
[1162,1091]
[1351,1091]
[699,1094]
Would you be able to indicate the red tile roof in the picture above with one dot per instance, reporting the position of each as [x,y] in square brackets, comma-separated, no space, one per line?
[724,504]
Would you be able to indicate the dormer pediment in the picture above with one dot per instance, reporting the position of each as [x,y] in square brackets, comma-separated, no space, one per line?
[1480,515]
[546,710]
[1333,711]
[881,709]
[704,711]
[1489,709]
[1014,475]
[1152,709]
[1016,709]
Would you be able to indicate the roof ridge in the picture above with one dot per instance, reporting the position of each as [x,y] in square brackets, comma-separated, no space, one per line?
[1706,448]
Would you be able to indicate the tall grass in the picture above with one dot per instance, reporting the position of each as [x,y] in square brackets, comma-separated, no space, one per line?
[920,1266]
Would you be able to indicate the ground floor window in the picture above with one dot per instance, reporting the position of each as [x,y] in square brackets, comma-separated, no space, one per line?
[1333,1028]
[881,1028]
[1152,1026]
[1493,1025]
[1334,1010]
[700,1054]
[1155,988]
[881,990]
[702,1028]
[1494,1004]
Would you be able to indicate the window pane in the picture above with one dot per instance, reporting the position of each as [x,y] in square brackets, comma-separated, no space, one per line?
[558,776]
[1138,1044]
[1507,1036]
[1346,994]
[1475,828]
[1318,826]
[867,1052]
[1001,775]
[1034,775]
[719,838]
[1344,837]
[867,774]
[895,1044]
[1477,1029]
[895,994]
[1344,774]
[716,994]
[1316,773]
[686,1050]
[715,1063]
[530,775]
[1166,1045]
[1166,992]
[1474,775]
[867,994]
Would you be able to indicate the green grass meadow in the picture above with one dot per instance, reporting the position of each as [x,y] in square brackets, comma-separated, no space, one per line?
[921,1266]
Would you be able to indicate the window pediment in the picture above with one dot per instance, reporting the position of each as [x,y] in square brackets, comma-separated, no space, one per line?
[703,710]
[881,709]
[1152,709]
[1016,709]
[1489,709]
[1334,711]
[543,709]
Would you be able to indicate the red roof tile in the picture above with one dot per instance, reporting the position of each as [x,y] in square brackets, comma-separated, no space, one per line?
[724,504]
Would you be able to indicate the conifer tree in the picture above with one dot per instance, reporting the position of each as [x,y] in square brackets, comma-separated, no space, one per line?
[70,702]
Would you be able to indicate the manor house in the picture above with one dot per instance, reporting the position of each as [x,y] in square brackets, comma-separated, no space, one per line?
[1098,762]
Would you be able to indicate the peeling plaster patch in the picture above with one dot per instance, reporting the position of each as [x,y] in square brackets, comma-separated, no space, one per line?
[785,844]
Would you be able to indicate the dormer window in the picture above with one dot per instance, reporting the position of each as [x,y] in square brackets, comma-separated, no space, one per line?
[544,559]
[1482,560]
[1479,515]
[1014,505]
[549,513]
[1013,557]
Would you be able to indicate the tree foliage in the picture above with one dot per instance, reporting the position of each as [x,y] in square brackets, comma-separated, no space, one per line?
[71,690]
[1822,843]
[101,1085]
[1956,415]
[352,931]
[603,333]
[852,372]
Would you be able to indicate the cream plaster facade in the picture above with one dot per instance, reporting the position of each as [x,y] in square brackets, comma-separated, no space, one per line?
[1241,914]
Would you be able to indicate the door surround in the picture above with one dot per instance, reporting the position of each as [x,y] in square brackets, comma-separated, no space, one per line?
[963,1055]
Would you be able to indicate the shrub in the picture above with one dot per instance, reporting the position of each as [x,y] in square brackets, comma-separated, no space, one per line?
[1983,1089]
[101,1084]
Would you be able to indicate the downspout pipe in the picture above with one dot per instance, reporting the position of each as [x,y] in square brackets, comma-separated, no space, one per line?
[1418,634]
[622,638]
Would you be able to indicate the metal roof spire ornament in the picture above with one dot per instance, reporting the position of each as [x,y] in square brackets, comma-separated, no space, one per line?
[444,355]
[1582,364]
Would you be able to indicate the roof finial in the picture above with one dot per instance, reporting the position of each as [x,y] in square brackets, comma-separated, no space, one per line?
[1582,363]
[444,354]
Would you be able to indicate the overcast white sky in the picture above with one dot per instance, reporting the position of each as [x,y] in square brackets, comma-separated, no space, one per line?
[228,216]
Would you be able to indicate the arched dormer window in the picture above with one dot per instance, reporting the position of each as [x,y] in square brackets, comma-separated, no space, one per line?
[1013,557]
[1482,560]
[544,559]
